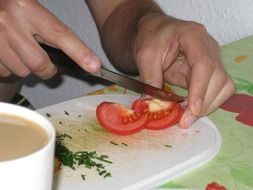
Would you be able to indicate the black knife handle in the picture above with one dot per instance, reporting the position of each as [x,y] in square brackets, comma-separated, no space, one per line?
[59,58]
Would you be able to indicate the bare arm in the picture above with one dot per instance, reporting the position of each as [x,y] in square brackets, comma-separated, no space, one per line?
[102,9]
[139,37]
[117,21]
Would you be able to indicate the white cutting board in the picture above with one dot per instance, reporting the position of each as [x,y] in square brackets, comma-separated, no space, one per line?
[144,163]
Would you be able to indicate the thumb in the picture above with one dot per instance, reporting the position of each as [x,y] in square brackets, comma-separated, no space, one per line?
[187,119]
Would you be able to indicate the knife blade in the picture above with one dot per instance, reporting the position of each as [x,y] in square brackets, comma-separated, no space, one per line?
[137,86]
[59,58]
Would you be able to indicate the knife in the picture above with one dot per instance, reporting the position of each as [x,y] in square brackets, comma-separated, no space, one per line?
[59,58]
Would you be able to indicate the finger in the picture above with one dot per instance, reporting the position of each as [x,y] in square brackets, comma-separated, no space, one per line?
[203,63]
[153,63]
[187,119]
[58,34]
[33,56]
[200,77]
[150,69]
[4,72]
[13,63]
[179,73]
[216,84]
[227,91]
[6,57]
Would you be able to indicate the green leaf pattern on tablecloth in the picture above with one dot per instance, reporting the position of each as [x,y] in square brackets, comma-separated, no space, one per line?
[172,185]
[243,85]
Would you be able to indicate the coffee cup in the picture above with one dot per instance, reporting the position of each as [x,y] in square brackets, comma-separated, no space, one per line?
[27,142]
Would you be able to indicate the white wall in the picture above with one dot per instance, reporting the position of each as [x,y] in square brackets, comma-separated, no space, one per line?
[226,21]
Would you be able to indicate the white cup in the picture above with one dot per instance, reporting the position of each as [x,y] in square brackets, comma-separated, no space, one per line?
[33,171]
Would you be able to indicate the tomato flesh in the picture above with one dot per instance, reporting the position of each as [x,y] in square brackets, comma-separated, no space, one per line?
[119,119]
[160,114]
[149,113]
[215,186]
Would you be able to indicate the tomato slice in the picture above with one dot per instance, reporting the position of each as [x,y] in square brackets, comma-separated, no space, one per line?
[161,114]
[215,186]
[118,119]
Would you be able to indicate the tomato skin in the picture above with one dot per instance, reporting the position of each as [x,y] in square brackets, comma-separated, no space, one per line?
[118,119]
[215,186]
[161,114]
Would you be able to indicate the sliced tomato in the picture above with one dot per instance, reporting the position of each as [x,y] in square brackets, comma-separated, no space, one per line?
[160,114]
[118,119]
[215,186]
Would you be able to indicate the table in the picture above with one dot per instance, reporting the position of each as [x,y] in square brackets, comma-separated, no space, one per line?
[233,166]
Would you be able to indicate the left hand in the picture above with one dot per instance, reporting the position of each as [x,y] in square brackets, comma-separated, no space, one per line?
[184,54]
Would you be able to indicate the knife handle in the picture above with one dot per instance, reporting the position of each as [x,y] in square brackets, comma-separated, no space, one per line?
[59,58]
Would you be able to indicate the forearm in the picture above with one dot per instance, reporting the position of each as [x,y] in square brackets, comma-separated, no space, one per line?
[119,30]
[101,9]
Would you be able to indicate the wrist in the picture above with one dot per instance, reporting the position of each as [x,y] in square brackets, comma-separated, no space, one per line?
[120,30]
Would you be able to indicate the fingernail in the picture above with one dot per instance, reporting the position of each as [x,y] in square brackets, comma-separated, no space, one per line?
[92,62]
[198,106]
[188,121]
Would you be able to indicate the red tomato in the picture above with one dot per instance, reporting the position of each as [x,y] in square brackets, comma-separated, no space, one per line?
[215,186]
[119,119]
[161,114]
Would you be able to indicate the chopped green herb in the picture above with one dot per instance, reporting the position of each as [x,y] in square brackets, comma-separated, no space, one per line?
[107,175]
[79,116]
[60,122]
[63,136]
[48,114]
[124,144]
[102,172]
[168,146]
[66,113]
[83,177]
[82,158]
[114,143]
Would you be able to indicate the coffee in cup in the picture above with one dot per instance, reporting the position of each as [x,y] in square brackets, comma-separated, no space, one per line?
[27,142]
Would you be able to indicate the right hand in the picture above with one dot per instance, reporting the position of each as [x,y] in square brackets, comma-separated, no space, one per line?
[24,23]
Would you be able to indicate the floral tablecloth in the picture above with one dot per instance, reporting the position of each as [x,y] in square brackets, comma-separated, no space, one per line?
[233,166]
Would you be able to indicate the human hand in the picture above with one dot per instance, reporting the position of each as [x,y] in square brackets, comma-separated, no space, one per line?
[184,54]
[24,23]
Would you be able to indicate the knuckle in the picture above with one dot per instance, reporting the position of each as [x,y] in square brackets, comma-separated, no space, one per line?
[210,64]
[196,27]
[36,62]
[144,52]
[59,30]
[23,73]
[23,4]
[222,77]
